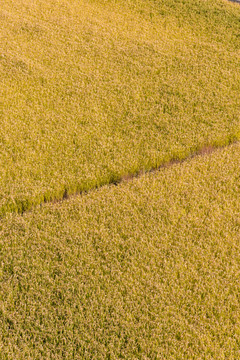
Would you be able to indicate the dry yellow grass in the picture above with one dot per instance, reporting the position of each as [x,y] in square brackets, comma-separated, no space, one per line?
[95,90]
[148,269]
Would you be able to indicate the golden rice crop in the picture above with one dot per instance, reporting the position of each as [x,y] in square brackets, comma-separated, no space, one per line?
[94,90]
[148,269]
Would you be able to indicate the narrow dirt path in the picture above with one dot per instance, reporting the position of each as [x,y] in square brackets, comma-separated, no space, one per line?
[204,151]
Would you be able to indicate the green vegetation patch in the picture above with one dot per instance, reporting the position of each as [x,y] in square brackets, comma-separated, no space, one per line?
[148,269]
[95,90]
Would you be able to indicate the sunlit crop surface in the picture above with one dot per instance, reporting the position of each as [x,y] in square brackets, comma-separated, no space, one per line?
[148,269]
[94,93]
[95,90]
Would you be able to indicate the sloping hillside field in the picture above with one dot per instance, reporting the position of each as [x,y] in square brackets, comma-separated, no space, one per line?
[95,90]
[148,269]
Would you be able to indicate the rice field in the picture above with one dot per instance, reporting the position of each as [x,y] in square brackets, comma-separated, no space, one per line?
[119,179]
[148,269]
[96,90]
